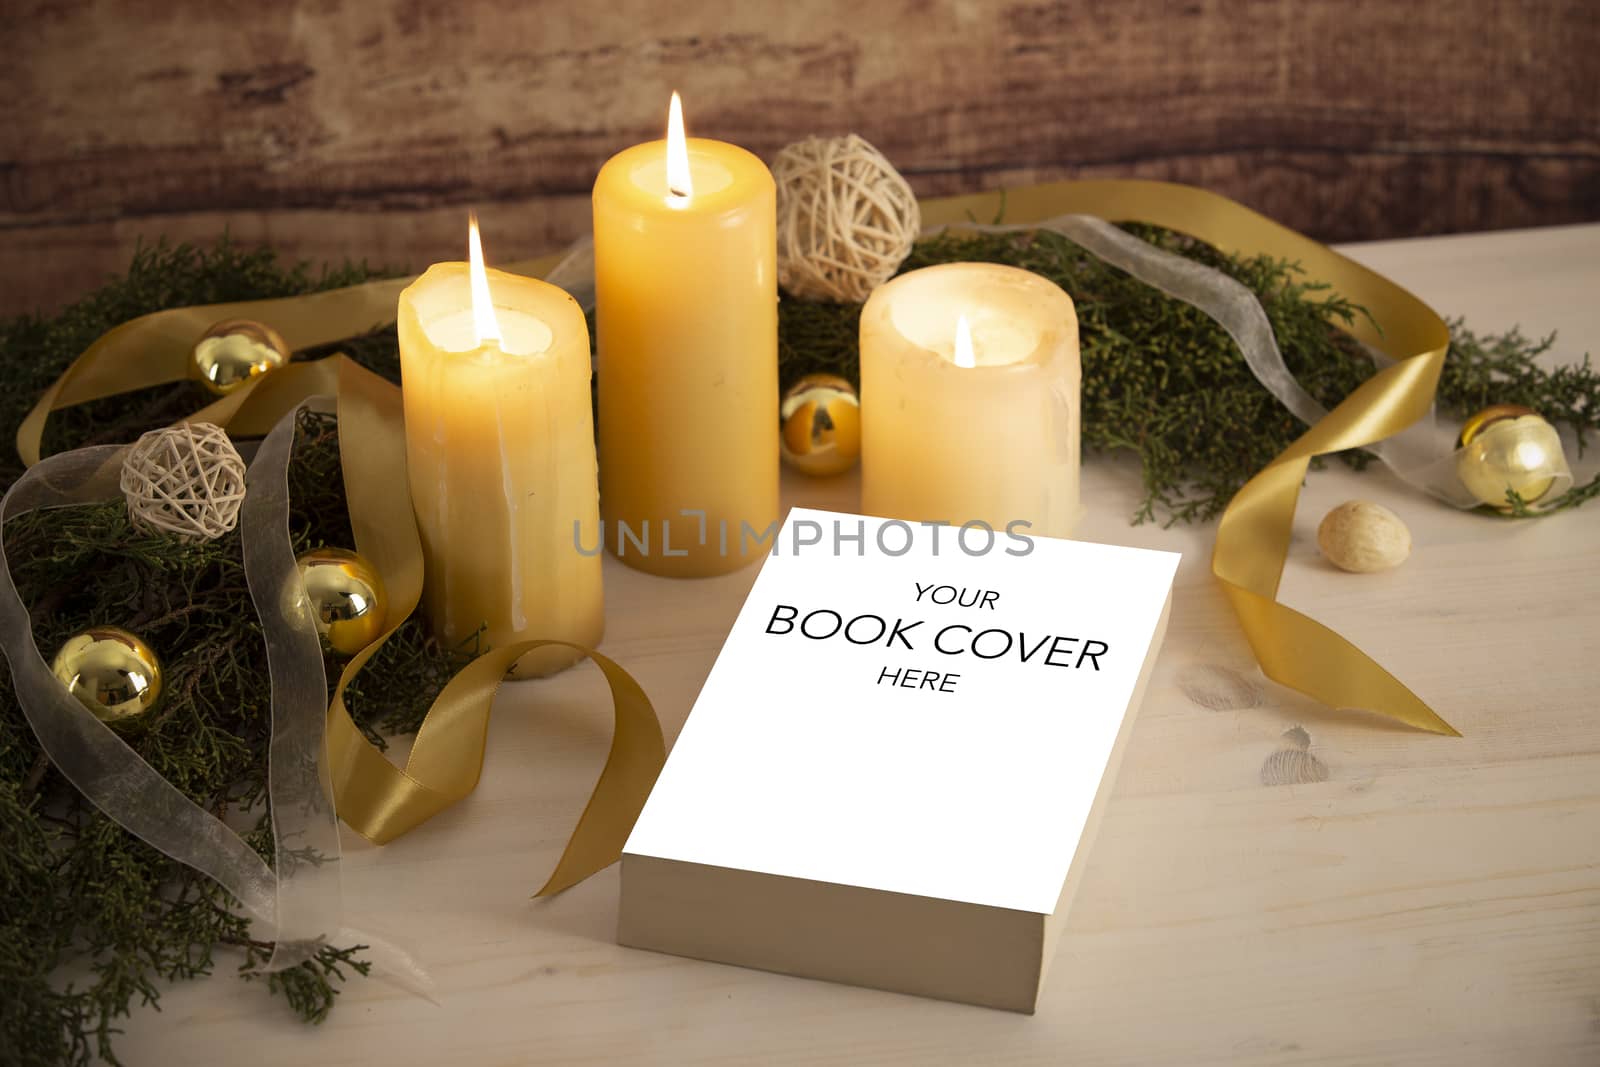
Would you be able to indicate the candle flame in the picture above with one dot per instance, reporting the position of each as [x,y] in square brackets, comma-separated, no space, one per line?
[484,324]
[965,357]
[680,187]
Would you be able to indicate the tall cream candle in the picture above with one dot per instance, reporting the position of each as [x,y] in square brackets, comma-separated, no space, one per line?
[970,386]
[686,308]
[500,453]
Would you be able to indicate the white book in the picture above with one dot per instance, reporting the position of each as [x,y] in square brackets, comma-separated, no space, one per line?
[894,772]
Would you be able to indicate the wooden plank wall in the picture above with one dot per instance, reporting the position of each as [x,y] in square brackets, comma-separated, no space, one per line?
[365,128]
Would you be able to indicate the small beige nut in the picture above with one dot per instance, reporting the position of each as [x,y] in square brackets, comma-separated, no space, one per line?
[1363,537]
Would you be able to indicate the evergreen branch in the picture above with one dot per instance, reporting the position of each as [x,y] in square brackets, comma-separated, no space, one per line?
[1519,508]
[74,886]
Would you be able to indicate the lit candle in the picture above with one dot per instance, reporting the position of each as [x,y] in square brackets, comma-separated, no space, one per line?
[686,307]
[969,400]
[500,450]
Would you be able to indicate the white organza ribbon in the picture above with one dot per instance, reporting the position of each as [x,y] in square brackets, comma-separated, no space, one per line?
[297,900]
[1424,455]
[305,827]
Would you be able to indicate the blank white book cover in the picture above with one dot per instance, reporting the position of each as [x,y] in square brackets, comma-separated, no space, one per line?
[820,749]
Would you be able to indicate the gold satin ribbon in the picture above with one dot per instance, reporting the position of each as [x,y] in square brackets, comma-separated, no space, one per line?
[382,801]
[154,349]
[1253,535]
[377,799]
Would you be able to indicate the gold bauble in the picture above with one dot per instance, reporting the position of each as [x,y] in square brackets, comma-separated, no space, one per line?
[112,672]
[1509,447]
[820,425]
[233,351]
[347,598]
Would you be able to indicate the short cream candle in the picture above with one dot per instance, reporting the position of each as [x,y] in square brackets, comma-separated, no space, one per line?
[501,458]
[970,384]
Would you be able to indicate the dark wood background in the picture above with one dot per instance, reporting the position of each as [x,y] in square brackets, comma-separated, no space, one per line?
[366,128]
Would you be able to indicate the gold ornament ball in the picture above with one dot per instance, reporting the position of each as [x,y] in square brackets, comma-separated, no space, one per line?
[234,351]
[347,598]
[112,672]
[1509,447]
[820,425]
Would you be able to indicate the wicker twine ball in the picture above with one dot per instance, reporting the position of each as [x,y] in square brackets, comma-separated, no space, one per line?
[846,218]
[186,480]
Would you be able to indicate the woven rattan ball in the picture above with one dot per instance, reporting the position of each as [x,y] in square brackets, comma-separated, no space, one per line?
[186,480]
[846,218]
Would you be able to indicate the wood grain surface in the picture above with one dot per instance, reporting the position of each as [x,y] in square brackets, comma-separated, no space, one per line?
[1275,882]
[337,128]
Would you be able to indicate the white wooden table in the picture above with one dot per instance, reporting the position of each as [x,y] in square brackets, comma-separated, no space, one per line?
[1433,901]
